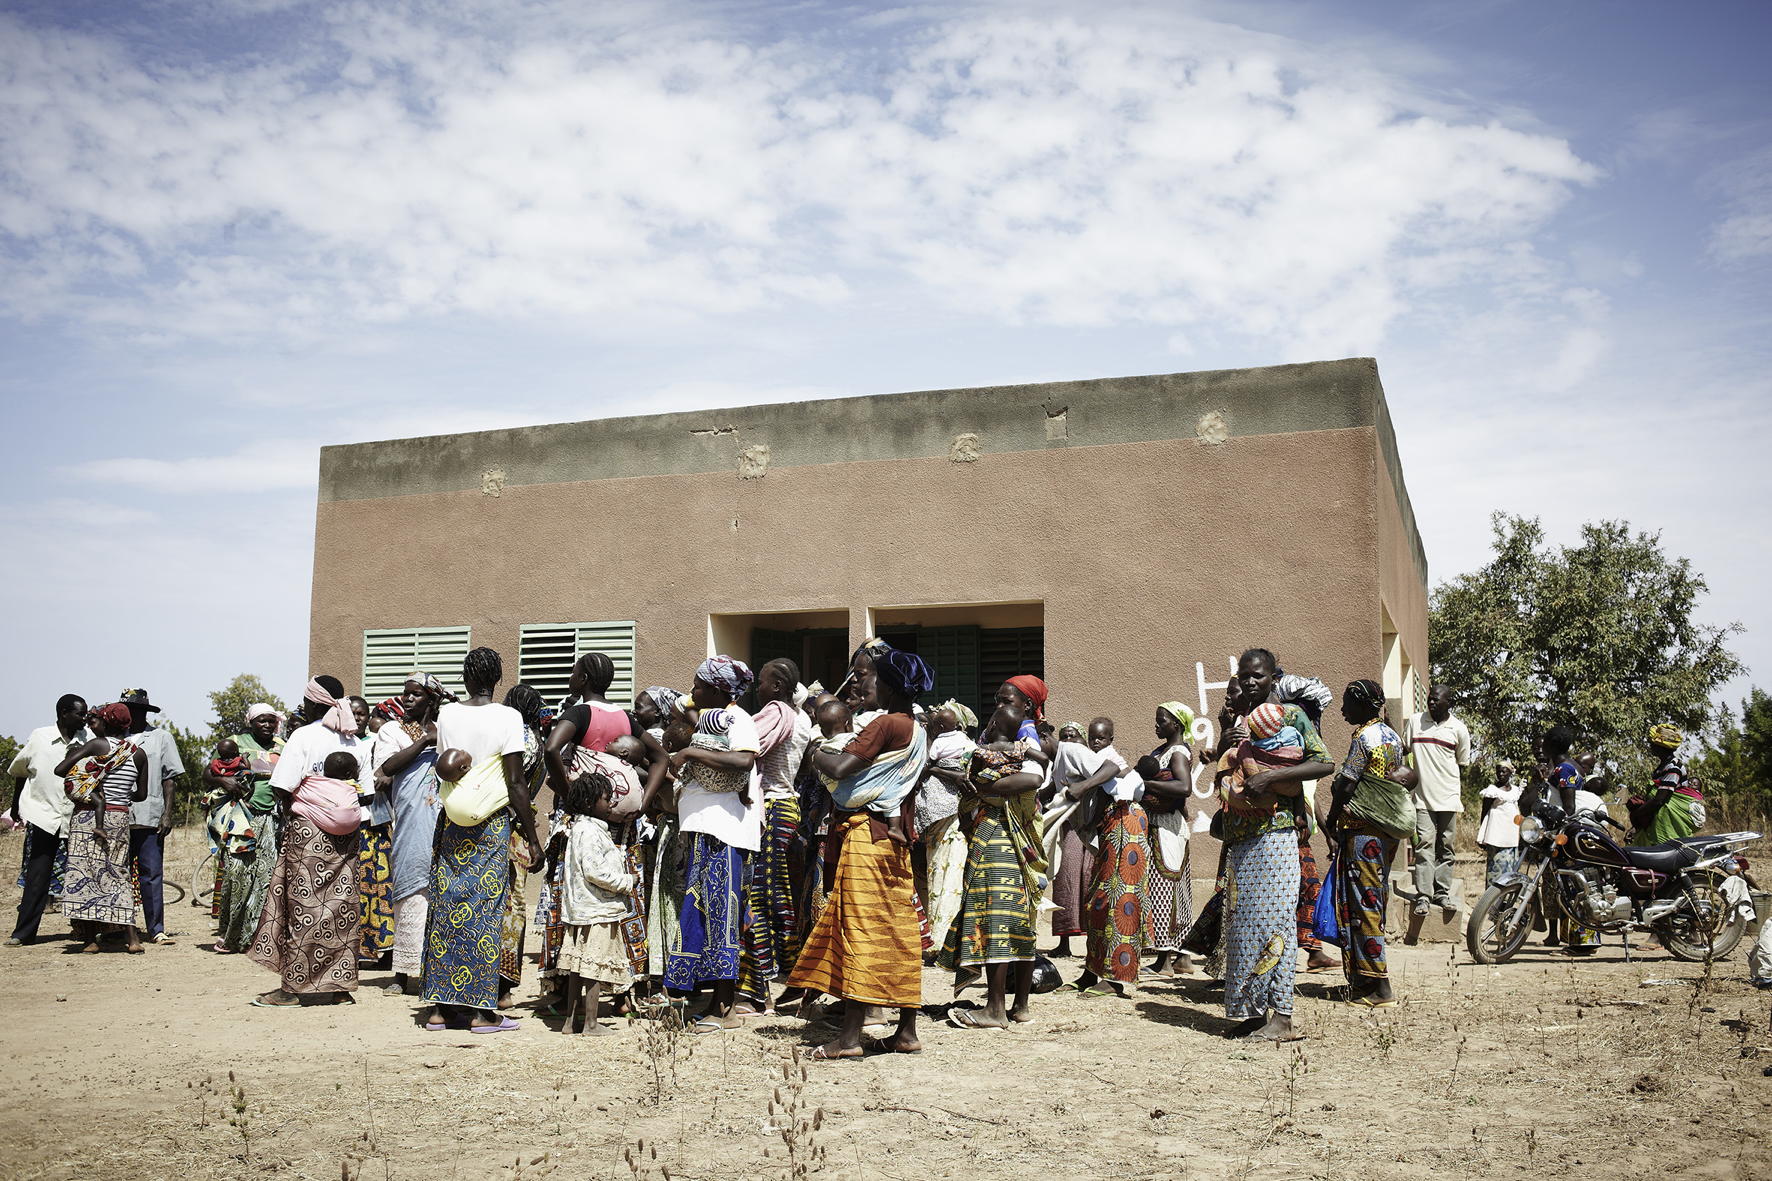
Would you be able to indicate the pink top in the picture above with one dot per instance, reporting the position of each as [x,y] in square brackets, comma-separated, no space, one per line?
[599,723]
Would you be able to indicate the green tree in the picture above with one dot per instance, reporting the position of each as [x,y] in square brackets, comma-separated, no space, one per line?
[1599,635]
[231,701]
[1736,762]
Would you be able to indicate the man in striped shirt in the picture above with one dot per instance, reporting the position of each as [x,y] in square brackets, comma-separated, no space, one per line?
[1438,746]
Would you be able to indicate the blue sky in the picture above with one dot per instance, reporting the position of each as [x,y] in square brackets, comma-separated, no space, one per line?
[234,230]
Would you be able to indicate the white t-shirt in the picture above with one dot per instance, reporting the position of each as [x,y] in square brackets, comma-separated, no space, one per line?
[483,731]
[1498,829]
[306,751]
[723,814]
[1440,749]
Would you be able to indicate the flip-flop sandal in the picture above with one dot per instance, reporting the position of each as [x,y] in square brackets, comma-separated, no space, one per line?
[1320,970]
[707,1025]
[963,1019]
[884,1045]
[819,1055]
[261,1003]
[1366,1002]
[1096,992]
[505,1025]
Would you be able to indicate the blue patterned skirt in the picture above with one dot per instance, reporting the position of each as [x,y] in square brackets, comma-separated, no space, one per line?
[469,879]
[713,915]
[1261,924]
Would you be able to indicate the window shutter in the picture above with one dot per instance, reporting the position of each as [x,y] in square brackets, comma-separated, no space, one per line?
[952,654]
[546,653]
[1005,652]
[390,653]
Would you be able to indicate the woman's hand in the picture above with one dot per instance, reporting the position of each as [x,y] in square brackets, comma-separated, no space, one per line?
[534,851]
[1256,783]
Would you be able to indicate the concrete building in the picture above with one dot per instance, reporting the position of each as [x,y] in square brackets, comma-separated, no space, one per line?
[1124,537]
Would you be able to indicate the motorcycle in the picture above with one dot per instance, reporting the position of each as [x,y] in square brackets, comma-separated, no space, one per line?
[1671,890]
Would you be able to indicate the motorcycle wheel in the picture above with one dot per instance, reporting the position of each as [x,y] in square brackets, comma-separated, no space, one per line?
[1706,935]
[1483,937]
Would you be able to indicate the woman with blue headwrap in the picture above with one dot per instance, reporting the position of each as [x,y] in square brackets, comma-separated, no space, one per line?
[719,807]
[866,946]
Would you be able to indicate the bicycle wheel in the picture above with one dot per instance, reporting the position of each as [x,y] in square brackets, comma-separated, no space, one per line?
[203,881]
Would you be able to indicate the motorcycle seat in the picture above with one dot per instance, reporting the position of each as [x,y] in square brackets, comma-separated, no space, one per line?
[1669,856]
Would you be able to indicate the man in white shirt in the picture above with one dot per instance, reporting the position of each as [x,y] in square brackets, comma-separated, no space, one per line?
[1438,746]
[41,804]
[151,819]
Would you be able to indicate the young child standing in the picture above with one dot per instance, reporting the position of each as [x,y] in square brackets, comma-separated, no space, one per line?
[595,887]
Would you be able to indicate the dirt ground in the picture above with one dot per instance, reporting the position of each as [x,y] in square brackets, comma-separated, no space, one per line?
[119,1066]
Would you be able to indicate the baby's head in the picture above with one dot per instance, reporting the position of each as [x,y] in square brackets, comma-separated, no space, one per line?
[227,750]
[628,749]
[1265,720]
[1070,732]
[341,764]
[452,764]
[1148,767]
[1101,733]
[834,717]
[943,721]
[676,736]
[589,795]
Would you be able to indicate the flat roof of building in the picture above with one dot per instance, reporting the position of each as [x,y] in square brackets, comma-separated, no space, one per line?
[1213,404]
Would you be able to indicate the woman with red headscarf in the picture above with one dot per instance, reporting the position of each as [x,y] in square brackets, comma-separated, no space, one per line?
[108,772]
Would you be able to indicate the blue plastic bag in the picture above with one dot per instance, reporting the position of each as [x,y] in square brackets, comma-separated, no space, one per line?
[1324,924]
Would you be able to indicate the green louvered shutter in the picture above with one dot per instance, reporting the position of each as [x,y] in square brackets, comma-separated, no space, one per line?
[390,653]
[1005,652]
[952,654]
[546,653]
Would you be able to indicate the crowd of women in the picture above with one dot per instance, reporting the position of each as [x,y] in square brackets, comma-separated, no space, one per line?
[822,846]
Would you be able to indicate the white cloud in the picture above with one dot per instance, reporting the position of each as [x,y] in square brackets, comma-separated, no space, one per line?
[627,168]
[1745,234]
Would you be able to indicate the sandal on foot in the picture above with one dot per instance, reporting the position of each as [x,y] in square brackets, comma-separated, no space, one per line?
[885,1045]
[1371,1002]
[505,1025]
[706,1025]
[820,1054]
[963,1019]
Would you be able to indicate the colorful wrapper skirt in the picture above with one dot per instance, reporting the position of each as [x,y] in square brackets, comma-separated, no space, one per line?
[1169,889]
[307,934]
[945,842]
[469,883]
[1363,859]
[866,946]
[632,927]
[1114,914]
[713,916]
[245,881]
[375,881]
[772,938]
[1310,884]
[98,887]
[995,924]
[34,834]
[664,909]
[1261,924]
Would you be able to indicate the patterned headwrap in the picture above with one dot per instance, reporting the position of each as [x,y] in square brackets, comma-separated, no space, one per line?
[906,671]
[665,699]
[391,710]
[338,714]
[428,683]
[1666,735]
[967,719]
[723,672]
[1034,689]
[1369,692]
[1182,714]
[1266,719]
[115,715]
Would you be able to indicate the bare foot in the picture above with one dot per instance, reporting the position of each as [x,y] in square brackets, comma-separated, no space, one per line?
[593,1029]
[90,949]
[1277,1029]
[1021,1014]
[833,1050]
[975,1019]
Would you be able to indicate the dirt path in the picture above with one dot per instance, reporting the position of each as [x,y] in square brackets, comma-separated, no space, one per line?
[117,1067]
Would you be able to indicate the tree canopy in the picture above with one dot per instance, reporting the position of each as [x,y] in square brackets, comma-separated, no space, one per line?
[1599,635]
[1736,764]
[232,700]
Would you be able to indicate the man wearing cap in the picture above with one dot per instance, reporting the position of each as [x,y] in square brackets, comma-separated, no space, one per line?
[40,802]
[151,819]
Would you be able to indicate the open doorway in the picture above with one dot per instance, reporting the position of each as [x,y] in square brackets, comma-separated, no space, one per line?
[816,641]
[971,647]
